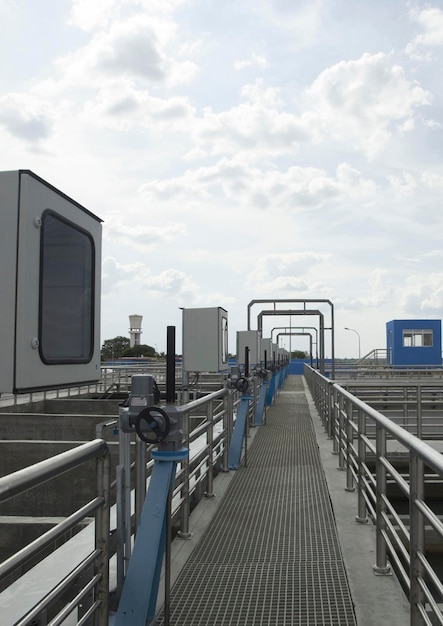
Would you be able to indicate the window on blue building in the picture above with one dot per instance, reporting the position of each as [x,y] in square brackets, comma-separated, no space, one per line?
[417,338]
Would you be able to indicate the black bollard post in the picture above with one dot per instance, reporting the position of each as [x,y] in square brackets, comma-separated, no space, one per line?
[170,365]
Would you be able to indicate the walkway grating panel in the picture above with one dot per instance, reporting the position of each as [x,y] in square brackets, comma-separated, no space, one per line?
[272,555]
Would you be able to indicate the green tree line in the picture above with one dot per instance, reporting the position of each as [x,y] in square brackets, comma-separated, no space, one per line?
[119,347]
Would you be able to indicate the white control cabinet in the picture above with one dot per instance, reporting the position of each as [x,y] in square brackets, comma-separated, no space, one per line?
[266,349]
[248,339]
[50,250]
[205,339]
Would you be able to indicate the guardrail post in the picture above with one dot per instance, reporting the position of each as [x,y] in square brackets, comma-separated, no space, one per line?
[330,409]
[349,446]
[381,566]
[417,536]
[226,409]
[121,525]
[230,419]
[102,529]
[419,414]
[343,417]
[140,479]
[361,518]
[184,533]
[209,493]
[335,420]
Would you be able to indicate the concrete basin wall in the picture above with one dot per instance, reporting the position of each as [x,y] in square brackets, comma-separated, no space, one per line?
[56,427]
[58,497]
[81,406]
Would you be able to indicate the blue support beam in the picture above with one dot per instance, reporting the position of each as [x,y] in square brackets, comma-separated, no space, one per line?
[236,443]
[261,404]
[271,390]
[140,589]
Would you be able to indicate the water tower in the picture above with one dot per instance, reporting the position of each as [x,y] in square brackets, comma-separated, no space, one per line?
[135,330]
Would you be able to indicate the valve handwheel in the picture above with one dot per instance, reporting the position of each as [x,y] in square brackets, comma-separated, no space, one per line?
[242,384]
[152,425]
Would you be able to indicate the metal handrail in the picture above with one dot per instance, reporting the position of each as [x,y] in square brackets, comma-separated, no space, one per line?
[208,446]
[26,479]
[345,418]
[209,439]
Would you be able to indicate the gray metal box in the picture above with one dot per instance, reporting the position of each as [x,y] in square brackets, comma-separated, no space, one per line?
[266,346]
[248,339]
[50,286]
[205,339]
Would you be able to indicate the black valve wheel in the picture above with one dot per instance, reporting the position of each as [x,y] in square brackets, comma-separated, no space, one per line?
[242,384]
[152,425]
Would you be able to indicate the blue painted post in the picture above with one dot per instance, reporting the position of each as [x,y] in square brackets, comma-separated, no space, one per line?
[140,589]
[236,443]
[271,387]
[260,408]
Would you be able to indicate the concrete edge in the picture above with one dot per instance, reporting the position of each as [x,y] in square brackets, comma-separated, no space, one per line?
[377,599]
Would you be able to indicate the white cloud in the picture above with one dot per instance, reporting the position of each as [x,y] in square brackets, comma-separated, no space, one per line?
[430,20]
[26,117]
[256,126]
[423,294]
[120,106]
[284,272]
[88,15]
[116,275]
[432,180]
[121,278]
[295,189]
[140,47]
[143,236]
[404,185]
[254,60]
[130,49]
[377,278]
[171,282]
[358,101]
[100,13]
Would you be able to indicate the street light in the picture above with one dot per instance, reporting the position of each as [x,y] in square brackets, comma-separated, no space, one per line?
[354,331]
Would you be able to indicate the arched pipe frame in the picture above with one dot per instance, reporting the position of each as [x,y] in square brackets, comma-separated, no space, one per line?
[301,311]
[300,335]
[294,330]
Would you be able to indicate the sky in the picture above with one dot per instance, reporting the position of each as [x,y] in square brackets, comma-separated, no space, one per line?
[240,150]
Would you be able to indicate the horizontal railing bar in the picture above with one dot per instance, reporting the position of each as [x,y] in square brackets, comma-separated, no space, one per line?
[423,451]
[195,404]
[67,610]
[23,555]
[34,475]
[398,479]
[55,593]
[435,522]
[431,573]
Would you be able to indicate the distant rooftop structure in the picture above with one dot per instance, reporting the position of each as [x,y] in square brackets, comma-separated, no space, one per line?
[135,330]
[414,342]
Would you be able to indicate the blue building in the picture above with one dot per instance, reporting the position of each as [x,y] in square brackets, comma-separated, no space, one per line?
[414,342]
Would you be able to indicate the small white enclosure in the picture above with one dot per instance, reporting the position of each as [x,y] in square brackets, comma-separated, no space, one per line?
[266,349]
[248,339]
[50,286]
[205,339]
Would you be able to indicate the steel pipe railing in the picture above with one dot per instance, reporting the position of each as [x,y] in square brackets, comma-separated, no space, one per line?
[30,477]
[360,436]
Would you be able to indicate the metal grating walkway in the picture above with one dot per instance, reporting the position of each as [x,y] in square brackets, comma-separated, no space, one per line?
[271,556]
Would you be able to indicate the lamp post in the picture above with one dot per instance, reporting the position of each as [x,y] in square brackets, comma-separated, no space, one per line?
[358,335]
